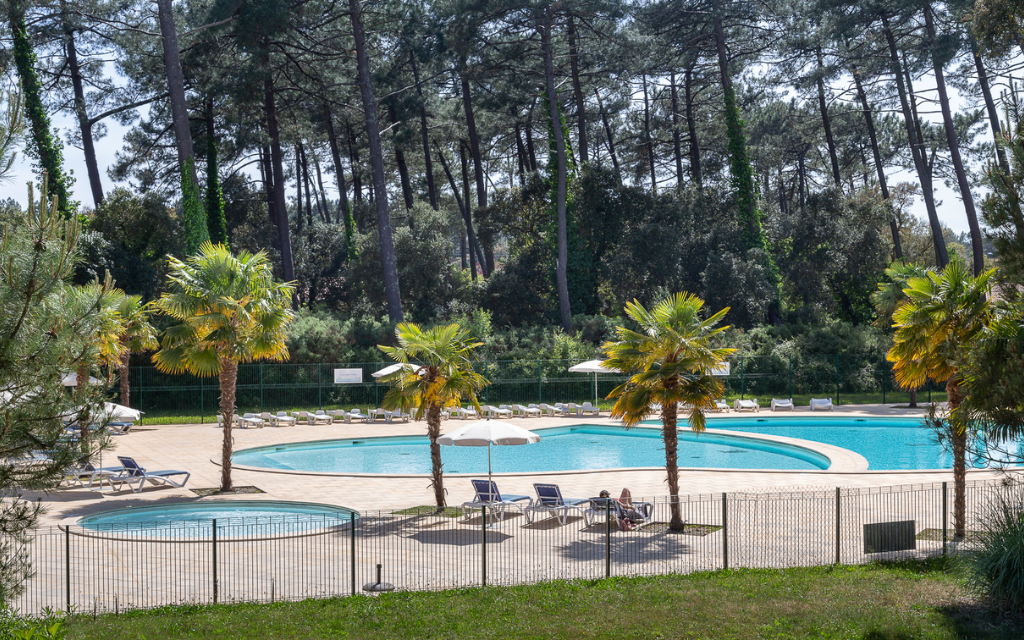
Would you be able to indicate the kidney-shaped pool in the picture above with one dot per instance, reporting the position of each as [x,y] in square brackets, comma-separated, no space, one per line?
[576,448]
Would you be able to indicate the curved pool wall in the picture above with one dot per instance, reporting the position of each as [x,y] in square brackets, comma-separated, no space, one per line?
[570,448]
[888,444]
[234,518]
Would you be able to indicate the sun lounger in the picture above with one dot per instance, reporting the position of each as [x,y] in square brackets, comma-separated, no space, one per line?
[528,412]
[398,414]
[463,413]
[283,419]
[379,414]
[722,406]
[495,412]
[573,409]
[135,476]
[589,408]
[322,417]
[88,475]
[783,404]
[487,495]
[601,506]
[546,408]
[356,414]
[821,404]
[246,421]
[550,500]
[119,428]
[560,409]
[510,408]
[745,405]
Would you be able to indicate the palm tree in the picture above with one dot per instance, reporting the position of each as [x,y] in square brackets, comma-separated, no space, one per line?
[670,360]
[935,330]
[889,297]
[102,345]
[230,310]
[441,377]
[137,335]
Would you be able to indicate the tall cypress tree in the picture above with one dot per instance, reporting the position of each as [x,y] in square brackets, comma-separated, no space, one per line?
[46,148]
[193,214]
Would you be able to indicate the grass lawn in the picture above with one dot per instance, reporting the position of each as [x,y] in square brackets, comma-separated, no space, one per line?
[898,601]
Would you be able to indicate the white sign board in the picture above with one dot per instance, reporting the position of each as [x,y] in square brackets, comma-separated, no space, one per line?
[348,376]
[722,370]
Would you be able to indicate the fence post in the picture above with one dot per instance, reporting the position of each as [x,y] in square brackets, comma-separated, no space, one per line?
[202,403]
[743,380]
[945,516]
[725,532]
[837,378]
[67,567]
[319,385]
[487,389]
[791,375]
[885,375]
[352,529]
[483,548]
[540,383]
[261,386]
[215,561]
[607,538]
[838,521]
[376,392]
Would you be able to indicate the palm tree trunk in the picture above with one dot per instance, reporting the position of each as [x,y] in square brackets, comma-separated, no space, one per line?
[436,471]
[669,420]
[958,438]
[122,372]
[228,376]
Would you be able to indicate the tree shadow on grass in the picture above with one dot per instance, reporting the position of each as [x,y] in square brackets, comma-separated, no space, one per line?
[978,621]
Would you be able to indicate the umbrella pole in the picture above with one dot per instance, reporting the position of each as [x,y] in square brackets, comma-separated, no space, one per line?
[595,388]
[490,481]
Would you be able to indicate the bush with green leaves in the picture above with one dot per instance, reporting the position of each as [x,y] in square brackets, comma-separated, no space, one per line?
[995,568]
[50,626]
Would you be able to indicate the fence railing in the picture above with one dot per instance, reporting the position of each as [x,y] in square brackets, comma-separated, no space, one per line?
[848,378]
[113,569]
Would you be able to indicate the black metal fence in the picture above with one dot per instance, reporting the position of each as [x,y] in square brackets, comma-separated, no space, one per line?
[420,549]
[164,398]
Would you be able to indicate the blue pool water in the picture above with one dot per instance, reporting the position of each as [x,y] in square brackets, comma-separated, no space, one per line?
[234,518]
[562,448]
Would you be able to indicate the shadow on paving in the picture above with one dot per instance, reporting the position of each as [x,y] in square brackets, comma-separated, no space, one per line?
[629,548]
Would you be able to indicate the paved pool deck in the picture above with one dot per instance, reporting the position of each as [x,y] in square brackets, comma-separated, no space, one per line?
[197,447]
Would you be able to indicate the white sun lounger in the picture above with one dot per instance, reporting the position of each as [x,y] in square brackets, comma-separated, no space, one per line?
[782,404]
[722,406]
[494,412]
[135,476]
[746,405]
[528,412]
[589,408]
[550,500]
[356,414]
[821,404]
[463,413]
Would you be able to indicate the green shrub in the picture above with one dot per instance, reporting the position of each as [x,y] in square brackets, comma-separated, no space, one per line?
[47,627]
[996,568]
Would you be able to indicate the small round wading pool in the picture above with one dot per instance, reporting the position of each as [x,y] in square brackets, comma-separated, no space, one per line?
[575,448]
[234,518]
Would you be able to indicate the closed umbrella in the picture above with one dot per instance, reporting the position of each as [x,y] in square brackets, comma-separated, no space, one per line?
[484,433]
[594,367]
[71,380]
[119,412]
[391,368]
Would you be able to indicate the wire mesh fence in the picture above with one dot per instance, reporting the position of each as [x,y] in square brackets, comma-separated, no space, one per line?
[114,569]
[848,378]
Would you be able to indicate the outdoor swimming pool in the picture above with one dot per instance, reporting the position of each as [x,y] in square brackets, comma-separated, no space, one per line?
[234,518]
[561,448]
[889,444]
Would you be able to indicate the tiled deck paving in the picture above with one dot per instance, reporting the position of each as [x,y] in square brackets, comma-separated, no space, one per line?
[786,526]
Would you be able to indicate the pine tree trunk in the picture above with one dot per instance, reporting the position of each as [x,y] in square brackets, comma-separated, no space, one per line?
[520,154]
[561,275]
[691,129]
[478,168]
[84,125]
[869,122]
[436,466]
[669,421]
[306,184]
[387,247]
[923,172]
[958,438]
[425,132]
[175,85]
[339,170]
[474,242]
[649,141]
[954,148]
[826,121]
[403,168]
[577,89]
[677,143]
[277,165]
[216,223]
[228,377]
[321,193]
[990,105]
[122,373]
[267,173]
[608,135]
[298,189]
[353,158]
[467,219]
[529,138]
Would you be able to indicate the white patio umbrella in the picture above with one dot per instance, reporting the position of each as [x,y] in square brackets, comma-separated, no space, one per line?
[391,368]
[71,380]
[484,433]
[594,367]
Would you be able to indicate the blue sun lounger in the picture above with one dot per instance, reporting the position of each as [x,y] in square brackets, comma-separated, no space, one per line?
[135,476]
[550,500]
[487,495]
